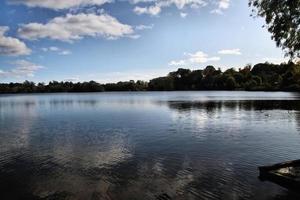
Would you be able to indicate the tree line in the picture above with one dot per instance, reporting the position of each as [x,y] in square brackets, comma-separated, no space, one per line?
[260,77]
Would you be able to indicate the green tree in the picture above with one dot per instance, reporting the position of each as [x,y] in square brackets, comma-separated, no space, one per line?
[194,79]
[181,79]
[282,21]
[161,84]
[230,83]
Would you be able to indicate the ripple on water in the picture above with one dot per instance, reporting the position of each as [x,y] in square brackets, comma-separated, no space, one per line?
[145,146]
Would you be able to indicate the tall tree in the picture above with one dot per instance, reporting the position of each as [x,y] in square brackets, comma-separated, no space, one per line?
[282,21]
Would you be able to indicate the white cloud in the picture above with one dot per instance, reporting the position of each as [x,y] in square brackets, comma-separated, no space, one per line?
[144,27]
[59,4]
[74,27]
[178,62]
[50,49]
[141,1]
[53,48]
[180,4]
[134,36]
[198,57]
[56,49]
[222,5]
[230,52]
[155,9]
[183,15]
[22,68]
[217,11]
[11,46]
[87,10]
[65,52]
[151,10]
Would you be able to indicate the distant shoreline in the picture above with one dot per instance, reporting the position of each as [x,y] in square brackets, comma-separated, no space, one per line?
[261,77]
[148,91]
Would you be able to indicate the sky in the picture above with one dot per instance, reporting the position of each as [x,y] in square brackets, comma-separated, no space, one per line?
[120,40]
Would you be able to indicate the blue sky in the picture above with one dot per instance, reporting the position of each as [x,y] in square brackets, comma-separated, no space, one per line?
[111,40]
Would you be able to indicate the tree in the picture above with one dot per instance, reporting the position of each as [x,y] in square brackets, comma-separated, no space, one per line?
[262,76]
[230,83]
[161,84]
[181,78]
[209,71]
[195,78]
[282,21]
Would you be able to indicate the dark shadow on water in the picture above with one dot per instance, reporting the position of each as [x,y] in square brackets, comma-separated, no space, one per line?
[286,195]
[255,105]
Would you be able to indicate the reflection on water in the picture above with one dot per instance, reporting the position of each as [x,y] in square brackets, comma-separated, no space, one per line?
[176,145]
[211,106]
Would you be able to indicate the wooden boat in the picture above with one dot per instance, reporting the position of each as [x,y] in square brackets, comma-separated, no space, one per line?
[285,174]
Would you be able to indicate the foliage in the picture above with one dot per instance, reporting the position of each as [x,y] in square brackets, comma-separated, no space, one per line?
[262,76]
[282,21]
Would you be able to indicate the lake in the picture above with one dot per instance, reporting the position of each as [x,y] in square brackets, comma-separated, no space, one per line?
[146,145]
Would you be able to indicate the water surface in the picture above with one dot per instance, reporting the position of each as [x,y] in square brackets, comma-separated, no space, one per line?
[152,145]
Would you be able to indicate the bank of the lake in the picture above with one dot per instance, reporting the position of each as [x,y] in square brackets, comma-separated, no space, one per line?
[260,77]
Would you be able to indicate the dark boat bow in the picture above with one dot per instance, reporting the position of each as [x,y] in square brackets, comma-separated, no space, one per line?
[286,174]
